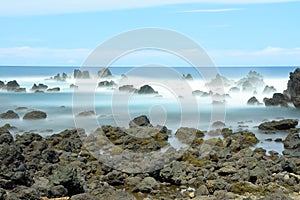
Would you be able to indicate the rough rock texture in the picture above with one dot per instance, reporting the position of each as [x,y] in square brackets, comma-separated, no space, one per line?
[293,87]
[55,89]
[279,125]
[253,101]
[81,74]
[187,77]
[12,85]
[147,89]
[278,99]
[40,86]
[104,73]
[140,121]
[10,114]
[35,115]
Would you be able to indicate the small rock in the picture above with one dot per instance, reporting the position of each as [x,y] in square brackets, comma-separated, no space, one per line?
[35,115]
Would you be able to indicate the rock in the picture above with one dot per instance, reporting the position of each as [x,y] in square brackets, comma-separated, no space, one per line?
[147,185]
[2,84]
[202,190]
[146,89]
[73,86]
[285,124]
[293,87]
[107,84]
[187,77]
[84,196]
[35,115]
[86,113]
[218,124]
[39,87]
[12,85]
[269,90]
[243,187]
[128,88]
[59,77]
[104,73]
[292,141]
[201,93]
[140,121]
[253,101]
[188,135]
[55,89]
[220,82]
[10,114]
[251,82]
[278,99]
[81,74]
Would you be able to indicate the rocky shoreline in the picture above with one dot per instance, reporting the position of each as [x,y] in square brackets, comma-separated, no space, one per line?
[66,165]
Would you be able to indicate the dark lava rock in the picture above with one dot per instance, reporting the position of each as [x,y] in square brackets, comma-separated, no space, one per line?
[253,101]
[293,88]
[107,84]
[2,84]
[10,114]
[292,141]
[278,99]
[86,113]
[269,90]
[55,89]
[35,115]
[285,124]
[147,89]
[147,185]
[39,87]
[104,73]
[140,121]
[61,77]
[12,85]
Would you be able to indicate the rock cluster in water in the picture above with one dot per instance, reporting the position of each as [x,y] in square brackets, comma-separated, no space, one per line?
[62,165]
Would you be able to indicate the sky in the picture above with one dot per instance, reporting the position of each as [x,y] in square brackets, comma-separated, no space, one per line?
[232,32]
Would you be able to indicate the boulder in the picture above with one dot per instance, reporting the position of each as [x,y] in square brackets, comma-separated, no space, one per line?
[285,124]
[39,87]
[187,77]
[12,85]
[147,89]
[278,99]
[104,73]
[86,113]
[20,90]
[147,185]
[35,115]
[10,114]
[292,141]
[293,87]
[140,121]
[55,89]
[253,101]
[107,84]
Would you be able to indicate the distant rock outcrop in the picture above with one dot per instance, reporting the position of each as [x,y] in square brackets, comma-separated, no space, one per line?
[140,121]
[39,87]
[147,89]
[253,101]
[128,88]
[55,89]
[251,82]
[278,99]
[269,90]
[81,74]
[60,77]
[293,87]
[107,84]
[12,85]
[104,73]
[187,77]
[220,81]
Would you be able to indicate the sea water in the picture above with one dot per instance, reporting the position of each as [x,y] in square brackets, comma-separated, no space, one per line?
[169,108]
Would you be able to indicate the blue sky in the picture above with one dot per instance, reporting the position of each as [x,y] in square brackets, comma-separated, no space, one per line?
[265,32]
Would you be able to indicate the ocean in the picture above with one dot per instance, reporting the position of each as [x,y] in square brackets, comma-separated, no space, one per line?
[174,106]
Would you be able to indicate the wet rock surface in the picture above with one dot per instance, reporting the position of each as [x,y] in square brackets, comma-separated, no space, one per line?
[285,124]
[64,165]
[33,115]
[10,114]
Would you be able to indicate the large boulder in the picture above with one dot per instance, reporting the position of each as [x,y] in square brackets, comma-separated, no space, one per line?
[81,74]
[285,124]
[35,115]
[12,85]
[140,121]
[55,89]
[9,115]
[292,141]
[187,77]
[147,89]
[293,87]
[278,99]
[39,87]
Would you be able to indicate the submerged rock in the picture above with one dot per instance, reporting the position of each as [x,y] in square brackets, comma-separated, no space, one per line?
[12,85]
[81,74]
[39,87]
[128,88]
[55,89]
[86,113]
[187,77]
[35,115]
[10,114]
[285,124]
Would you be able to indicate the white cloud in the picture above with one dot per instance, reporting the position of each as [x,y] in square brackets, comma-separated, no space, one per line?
[269,56]
[210,10]
[42,7]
